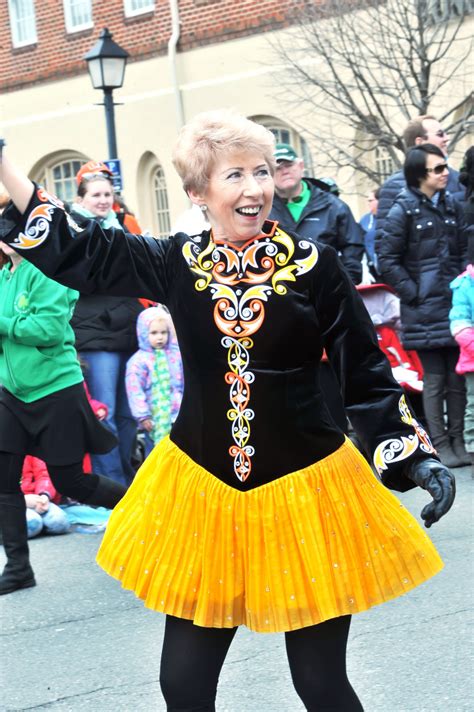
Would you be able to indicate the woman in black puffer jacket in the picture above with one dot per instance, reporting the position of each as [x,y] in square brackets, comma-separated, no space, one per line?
[421,249]
[105,329]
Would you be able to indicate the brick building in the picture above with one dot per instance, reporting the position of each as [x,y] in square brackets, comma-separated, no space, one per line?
[50,41]
[51,117]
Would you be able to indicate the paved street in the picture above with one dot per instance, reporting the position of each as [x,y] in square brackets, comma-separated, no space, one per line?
[78,642]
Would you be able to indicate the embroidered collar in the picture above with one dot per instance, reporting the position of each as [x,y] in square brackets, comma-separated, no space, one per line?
[269,229]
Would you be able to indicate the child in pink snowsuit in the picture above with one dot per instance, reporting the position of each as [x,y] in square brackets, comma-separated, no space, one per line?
[154,376]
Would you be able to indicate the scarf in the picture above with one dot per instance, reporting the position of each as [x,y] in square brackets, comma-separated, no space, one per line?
[160,397]
[110,220]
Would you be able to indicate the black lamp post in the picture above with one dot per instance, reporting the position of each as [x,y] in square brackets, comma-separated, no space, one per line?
[106,63]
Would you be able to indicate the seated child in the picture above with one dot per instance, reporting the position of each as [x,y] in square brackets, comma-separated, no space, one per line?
[42,512]
[154,376]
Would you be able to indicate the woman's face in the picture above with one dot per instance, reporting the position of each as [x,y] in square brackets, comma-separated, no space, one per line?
[98,199]
[434,180]
[239,196]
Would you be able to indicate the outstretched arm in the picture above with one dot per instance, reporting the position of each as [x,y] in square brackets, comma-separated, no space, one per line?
[374,401]
[89,259]
[17,184]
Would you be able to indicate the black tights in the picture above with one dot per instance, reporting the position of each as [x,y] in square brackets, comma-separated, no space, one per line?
[67,479]
[192,659]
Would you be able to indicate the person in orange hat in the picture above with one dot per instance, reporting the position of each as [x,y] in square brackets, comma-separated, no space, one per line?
[92,168]
[125,217]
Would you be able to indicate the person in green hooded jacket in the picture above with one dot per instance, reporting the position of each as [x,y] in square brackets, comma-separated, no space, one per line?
[44,409]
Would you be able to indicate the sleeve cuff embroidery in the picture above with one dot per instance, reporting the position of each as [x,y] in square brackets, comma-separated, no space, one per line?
[397,449]
[38,222]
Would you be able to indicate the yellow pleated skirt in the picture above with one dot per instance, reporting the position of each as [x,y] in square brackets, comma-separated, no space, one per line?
[318,543]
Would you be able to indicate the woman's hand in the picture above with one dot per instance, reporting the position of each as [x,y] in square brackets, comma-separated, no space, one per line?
[38,502]
[43,504]
[435,478]
[31,500]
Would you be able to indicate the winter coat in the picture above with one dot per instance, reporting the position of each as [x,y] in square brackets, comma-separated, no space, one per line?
[461,317]
[396,183]
[139,372]
[329,220]
[422,248]
[35,479]
[103,322]
[37,354]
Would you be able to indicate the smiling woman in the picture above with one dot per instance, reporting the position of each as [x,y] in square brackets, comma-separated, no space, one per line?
[238,196]
[256,510]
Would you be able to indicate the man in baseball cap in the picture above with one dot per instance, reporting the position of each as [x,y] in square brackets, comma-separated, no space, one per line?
[285,152]
[308,207]
[90,168]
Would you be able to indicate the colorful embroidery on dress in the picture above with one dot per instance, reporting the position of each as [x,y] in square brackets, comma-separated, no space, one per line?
[239,313]
[38,222]
[397,449]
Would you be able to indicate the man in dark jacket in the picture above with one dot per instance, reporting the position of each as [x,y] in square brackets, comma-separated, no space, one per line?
[305,206]
[309,208]
[423,247]
[421,130]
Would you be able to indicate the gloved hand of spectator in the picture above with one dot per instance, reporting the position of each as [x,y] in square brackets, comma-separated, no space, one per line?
[435,478]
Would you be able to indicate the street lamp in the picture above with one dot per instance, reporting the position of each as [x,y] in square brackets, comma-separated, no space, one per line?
[106,64]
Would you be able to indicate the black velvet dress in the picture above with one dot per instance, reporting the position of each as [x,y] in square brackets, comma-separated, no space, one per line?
[252,323]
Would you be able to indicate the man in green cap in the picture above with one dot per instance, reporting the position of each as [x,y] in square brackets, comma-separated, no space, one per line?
[308,207]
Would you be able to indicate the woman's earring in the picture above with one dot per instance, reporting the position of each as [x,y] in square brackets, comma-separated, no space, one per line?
[203,208]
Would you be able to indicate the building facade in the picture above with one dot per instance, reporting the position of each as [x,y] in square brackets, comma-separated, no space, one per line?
[186,56]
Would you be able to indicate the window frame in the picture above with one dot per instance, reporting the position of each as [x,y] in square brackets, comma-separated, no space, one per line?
[16,42]
[129,12]
[383,163]
[70,28]
[43,173]
[162,214]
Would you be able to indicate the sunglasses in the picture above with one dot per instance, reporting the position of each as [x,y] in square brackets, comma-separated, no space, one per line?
[96,174]
[439,169]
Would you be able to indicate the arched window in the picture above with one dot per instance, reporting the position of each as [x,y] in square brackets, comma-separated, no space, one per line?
[383,163]
[286,134]
[152,195]
[161,202]
[57,173]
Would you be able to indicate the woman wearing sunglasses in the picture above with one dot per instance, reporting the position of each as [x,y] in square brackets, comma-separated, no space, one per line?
[421,250]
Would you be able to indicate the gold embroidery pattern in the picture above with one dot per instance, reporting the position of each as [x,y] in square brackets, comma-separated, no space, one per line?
[397,449]
[241,282]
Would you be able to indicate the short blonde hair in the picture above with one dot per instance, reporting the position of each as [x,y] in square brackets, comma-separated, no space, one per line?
[212,134]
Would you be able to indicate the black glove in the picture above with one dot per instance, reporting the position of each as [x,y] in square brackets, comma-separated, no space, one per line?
[435,478]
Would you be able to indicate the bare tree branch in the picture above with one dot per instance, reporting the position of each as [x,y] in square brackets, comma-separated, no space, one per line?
[364,67]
